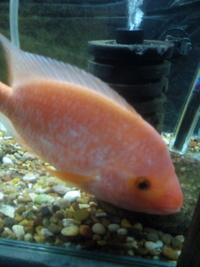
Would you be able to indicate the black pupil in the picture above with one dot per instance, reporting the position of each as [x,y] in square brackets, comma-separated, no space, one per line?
[143,185]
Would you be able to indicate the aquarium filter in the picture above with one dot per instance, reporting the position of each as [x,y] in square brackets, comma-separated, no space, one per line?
[180,39]
[136,68]
[137,71]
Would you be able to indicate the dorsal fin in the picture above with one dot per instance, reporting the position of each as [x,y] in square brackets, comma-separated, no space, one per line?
[24,66]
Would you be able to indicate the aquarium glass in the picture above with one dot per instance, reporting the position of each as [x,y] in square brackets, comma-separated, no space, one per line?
[45,221]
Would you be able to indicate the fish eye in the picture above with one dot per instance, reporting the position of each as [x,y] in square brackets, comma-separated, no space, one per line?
[142,183]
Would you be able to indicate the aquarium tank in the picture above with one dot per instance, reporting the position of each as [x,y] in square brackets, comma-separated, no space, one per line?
[79,215]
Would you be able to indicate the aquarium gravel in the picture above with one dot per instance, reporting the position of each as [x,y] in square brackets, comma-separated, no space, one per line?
[193,149]
[37,207]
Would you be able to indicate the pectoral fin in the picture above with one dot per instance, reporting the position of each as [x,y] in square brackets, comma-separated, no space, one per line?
[74,179]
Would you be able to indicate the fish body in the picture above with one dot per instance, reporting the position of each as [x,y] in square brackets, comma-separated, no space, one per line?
[91,135]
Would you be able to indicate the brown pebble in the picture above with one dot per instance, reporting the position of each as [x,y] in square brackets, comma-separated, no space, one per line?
[167,239]
[142,251]
[24,198]
[75,206]
[53,195]
[18,218]
[102,242]
[70,214]
[169,254]
[95,219]
[193,144]
[1,223]
[20,209]
[86,231]
[38,221]
[26,222]
[81,215]
[59,223]
[176,244]
[29,229]
[125,223]
[88,221]
[83,200]
[105,222]
[6,179]
[54,229]
[93,210]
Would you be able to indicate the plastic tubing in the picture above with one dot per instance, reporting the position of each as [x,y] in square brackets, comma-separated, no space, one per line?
[14,22]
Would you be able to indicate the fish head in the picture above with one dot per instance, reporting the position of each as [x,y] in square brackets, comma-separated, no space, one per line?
[154,195]
[149,186]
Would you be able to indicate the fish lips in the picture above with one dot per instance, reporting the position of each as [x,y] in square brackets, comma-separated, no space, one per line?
[171,202]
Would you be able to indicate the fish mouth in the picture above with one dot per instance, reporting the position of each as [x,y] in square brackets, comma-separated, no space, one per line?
[168,211]
[171,201]
[162,211]
[171,205]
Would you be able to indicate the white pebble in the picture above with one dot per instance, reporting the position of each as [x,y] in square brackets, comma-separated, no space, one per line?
[167,141]
[159,243]
[1,196]
[129,239]
[178,252]
[130,252]
[7,161]
[132,244]
[62,203]
[40,190]
[72,195]
[29,186]
[156,258]
[68,245]
[35,208]
[60,190]
[33,196]
[29,177]
[122,231]
[149,245]
[8,138]
[83,206]
[17,155]
[70,230]
[68,221]
[7,210]
[45,232]
[113,227]
[99,229]
[78,247]
[138,226]
[19,231]
[180,238]
[28,237]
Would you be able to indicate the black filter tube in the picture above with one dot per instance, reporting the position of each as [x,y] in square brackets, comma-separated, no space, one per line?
[126,36]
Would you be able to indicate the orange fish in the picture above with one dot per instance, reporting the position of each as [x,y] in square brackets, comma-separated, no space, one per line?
[90,134]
